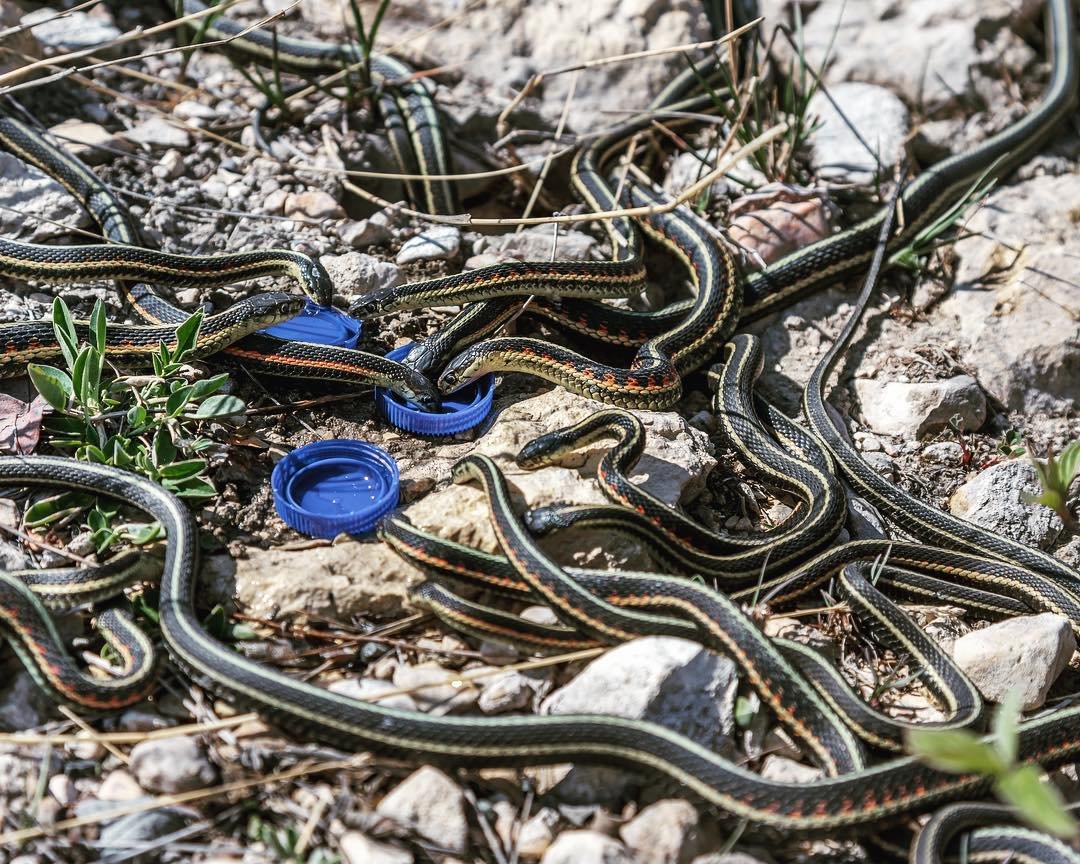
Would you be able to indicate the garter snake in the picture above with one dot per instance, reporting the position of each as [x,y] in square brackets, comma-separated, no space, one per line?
[861,797]
[871,795]
[233,332]
[824,262]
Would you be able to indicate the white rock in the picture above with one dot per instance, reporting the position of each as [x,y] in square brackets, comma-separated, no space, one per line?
[360,849]
[673,682]
[313,204]
[535,244]
[339,581]
[159,132]
[175,764]
[357,273]
[62,789]
[586,847]
[785,770]
[32,202]
[914,410]
[192,109]
[727,858]
[992,499]
[432,689]
[72,32]
[91,142]
[432,805]
[373,231]
[509,691]
[943,453]
[878,116]
[504,43]
[368,689]
[119,785]
[1024,346]
[666,832]
[439,243]
[537,833]
[1024,654]
[925,50]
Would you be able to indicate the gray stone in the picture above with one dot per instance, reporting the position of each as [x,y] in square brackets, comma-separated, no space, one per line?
[33,202]
[373,231]
[586,847]
[1018,336]
[159,132]
[911,410]
[993,500]
[537,833]
[432,805]
[665,832]
[673,682]
[342,580]
[432,688]
[438,243]
[784,770]
[878,116]
[928,51]
[71,32]
[357,848]
[368,690]
[1024,654]
[535,244]
[313,204]
[357,273]
[942,453]
[510,691]
[175,764]
[23,705]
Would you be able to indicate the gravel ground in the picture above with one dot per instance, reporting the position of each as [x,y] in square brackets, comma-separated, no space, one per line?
[960,365]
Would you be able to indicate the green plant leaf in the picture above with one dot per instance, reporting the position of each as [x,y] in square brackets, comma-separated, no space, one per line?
[192,487]
[187,335]
[139,534]
[178,400]
[209,385]
[56,507]
[64,328]
[164,448]
[220,405]
[955,750]
[78,375]
[1037,799]
[183,470]
[97,327]
[53,384]
[1005,726]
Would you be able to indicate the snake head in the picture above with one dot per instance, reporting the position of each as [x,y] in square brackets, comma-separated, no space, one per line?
[374,303]
[266,310]
[461,371]
[315,281]
[542,521]
[416,387]
[421,357]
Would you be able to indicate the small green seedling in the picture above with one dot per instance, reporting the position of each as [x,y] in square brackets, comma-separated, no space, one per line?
[1056,474]
[1023,786]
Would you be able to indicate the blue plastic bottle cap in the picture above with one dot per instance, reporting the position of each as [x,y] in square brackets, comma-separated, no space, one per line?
[322,324]
[461,410]
[333,487]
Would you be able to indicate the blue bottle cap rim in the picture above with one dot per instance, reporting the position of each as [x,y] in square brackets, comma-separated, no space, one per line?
[323,325]
[461,410]
[332,487]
